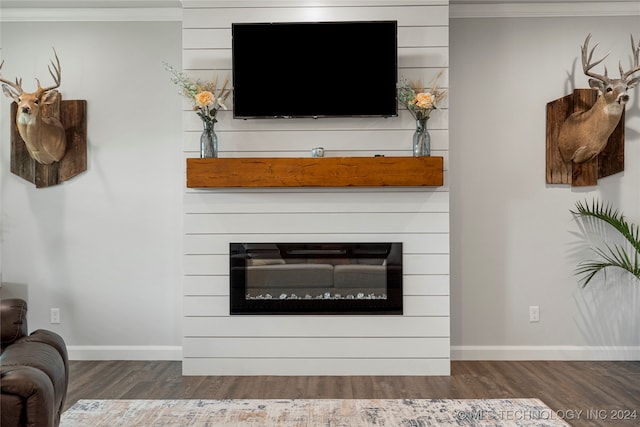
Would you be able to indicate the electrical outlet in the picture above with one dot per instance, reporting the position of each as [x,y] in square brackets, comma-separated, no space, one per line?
[534,313]
[55,315]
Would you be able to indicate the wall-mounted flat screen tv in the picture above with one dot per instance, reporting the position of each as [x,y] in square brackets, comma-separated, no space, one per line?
[315,69]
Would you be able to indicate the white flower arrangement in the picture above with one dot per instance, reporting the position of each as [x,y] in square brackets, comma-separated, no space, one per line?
[419,101]
[206,97]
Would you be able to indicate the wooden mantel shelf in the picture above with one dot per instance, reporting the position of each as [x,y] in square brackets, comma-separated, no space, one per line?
[315,172]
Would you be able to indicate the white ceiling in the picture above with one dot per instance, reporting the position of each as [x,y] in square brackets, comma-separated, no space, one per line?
[178,3]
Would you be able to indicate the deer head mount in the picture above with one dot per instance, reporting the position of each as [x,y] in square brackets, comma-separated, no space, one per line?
[44,136]
[585,133]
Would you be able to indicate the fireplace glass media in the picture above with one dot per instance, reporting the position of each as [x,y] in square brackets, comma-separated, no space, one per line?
[316,278]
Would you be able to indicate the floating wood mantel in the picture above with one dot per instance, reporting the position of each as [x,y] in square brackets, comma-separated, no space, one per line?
[315,172]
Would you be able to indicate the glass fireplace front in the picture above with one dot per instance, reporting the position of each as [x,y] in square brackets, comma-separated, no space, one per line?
[316,278]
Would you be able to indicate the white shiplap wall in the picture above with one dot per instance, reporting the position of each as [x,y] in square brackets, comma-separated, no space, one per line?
[416,343]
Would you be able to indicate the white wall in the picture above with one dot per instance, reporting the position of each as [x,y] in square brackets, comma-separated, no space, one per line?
[416,343]
[514,242]
[105,246]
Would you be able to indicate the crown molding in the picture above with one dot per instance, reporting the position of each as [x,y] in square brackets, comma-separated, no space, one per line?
[90,14]
[308,3]
[164,10]
[515,9]
[79,4]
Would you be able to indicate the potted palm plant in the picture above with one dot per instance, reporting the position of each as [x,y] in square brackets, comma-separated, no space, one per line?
[625,255]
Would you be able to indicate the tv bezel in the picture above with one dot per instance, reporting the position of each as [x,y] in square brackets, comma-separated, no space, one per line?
[314,116]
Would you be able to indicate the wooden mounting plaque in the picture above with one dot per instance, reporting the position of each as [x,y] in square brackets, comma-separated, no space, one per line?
[608,162]
[315,172]
[73,115]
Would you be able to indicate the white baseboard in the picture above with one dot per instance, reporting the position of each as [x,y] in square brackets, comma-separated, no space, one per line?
[457,352]
[99,352]
[545,353]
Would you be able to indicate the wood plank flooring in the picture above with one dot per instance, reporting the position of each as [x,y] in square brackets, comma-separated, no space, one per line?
[584,393]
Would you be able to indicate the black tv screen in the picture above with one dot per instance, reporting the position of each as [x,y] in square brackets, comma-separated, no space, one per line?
[315,69]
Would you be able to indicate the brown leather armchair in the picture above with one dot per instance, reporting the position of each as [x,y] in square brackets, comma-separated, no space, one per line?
[34,370]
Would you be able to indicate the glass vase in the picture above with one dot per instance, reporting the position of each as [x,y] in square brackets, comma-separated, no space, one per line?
[421,139]
[208,141]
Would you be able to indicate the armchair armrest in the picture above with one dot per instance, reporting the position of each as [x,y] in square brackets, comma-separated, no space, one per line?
[21,384]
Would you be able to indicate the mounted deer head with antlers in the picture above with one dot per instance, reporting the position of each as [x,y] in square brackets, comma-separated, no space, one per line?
[44,136]
[585,133]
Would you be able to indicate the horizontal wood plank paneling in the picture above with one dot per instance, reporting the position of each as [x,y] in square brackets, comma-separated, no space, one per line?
[272,143]
[328,222]
[211,284]
[306,347]
[428,284]
[318,326]
[351,200]
[317,366]
[416,343]
[205,285]
[217,4]
[206,38]
[426,264]
[431,305]
[421,36]
[206,264]
[203,244]
[220,38]
[323,125]
[431,15]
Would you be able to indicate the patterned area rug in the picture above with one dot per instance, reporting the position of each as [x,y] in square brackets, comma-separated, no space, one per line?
[319,412]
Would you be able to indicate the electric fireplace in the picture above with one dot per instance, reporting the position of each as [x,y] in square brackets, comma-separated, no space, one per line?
[316,278]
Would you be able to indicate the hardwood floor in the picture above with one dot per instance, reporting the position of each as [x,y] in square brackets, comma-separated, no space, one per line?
[583,393]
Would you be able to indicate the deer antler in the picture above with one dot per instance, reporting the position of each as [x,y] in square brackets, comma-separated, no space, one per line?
[636,61]
[17,86]
[587,65]
[56,77]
